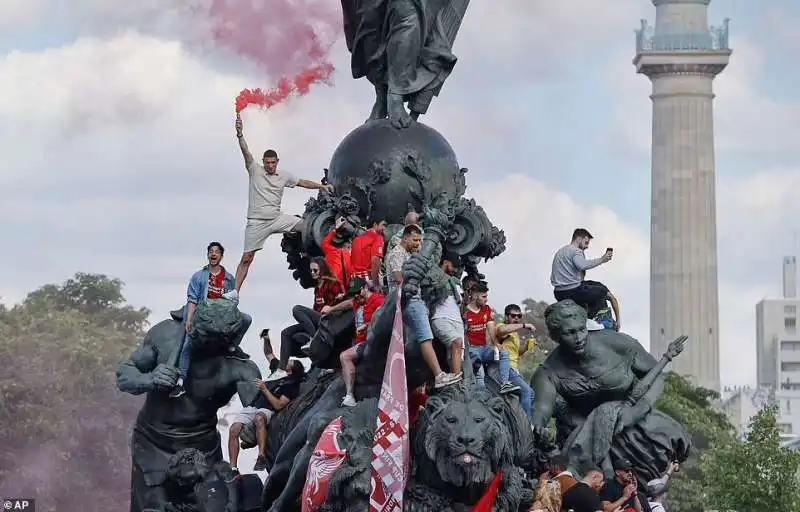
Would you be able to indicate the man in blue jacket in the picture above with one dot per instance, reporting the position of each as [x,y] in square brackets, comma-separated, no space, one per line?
[210,282]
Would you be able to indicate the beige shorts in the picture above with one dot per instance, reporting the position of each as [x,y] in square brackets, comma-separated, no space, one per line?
[257,231]
[248,415]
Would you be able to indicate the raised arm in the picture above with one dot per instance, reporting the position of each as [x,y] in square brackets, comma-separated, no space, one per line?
[248,158]
[582,263]
[141,372]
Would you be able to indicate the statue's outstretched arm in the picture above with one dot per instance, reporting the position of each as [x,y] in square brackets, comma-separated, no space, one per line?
[134,374]
[642,363]
[545,397]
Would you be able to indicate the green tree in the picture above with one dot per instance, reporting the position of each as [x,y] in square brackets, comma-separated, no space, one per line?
[63,424]
[692,407]
[755,475]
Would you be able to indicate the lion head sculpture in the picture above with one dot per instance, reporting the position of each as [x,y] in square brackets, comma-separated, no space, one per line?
[467,439]
[461,442]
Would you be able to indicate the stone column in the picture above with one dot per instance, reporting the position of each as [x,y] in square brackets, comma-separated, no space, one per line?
[682,60]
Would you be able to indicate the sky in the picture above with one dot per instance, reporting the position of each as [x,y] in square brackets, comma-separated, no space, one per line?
[120,156]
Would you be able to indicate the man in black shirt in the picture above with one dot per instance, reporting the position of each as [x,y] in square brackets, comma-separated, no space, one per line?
[583,496]
[621,491]
[274,396]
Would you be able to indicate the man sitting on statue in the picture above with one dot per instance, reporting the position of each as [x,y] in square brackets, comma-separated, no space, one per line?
[566,276]
[264,216]
[327,292]
[416,314]
[507,334]
[367,299]
[480,327]
[210,282]
[274,397]
[367,252]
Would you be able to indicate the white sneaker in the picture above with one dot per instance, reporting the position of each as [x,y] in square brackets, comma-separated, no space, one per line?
[276,375]
[349,401]
[446,379]
[231,295]
[306,349]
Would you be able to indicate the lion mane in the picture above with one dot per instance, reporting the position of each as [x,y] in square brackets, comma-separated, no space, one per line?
[460,444]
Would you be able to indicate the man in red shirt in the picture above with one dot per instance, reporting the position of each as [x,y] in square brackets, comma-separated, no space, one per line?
[366,301]
[367,252]
[337,254]
[479,319]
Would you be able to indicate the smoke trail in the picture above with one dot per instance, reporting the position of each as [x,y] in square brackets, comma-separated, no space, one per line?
[288,41]
[281,36]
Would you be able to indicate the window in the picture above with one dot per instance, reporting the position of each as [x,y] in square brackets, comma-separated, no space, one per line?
[790,346]
[790,310]
[785,428]
[790,367]
[790,323]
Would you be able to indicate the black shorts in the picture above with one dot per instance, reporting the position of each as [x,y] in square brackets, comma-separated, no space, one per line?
[591,295]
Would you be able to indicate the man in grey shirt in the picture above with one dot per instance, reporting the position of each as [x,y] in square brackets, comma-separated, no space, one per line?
[264,216]
[569,267]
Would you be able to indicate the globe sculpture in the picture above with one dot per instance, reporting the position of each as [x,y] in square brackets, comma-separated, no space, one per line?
[381,172]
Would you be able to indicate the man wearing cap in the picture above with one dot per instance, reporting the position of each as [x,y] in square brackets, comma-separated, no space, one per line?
[621,491]
[657,489]
[365,300]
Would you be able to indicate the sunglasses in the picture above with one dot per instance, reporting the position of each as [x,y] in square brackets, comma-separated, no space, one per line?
[515,315]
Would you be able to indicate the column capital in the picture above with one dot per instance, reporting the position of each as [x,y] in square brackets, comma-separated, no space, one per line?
[654,70]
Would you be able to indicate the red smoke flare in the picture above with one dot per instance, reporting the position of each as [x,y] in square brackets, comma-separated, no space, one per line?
[299,86]
[285,38]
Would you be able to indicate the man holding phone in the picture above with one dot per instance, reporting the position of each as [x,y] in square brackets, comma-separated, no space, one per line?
[569,267]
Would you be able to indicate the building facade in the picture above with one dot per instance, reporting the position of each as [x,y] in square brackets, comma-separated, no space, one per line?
[778,363]
[681,55]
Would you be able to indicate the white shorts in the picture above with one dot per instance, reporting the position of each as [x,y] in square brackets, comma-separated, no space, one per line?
[248,415]
[257,231]
[447,330]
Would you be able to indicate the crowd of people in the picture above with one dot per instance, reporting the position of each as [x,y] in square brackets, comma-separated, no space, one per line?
[559,489]
[353,278]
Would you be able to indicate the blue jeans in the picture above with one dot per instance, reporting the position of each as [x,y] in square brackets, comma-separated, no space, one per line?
[526,393]
[186,347]
[418,319]
[485,354]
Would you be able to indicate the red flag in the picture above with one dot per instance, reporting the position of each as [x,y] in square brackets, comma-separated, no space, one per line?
[486,503]
[328,456]
[391,452]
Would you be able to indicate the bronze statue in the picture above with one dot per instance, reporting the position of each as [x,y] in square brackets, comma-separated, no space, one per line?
[165,426]
[601,387]
[403,47]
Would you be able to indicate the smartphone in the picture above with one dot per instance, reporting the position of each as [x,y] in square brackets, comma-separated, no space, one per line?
[609,249]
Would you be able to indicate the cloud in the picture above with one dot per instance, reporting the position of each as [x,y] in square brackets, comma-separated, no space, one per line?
[119,156]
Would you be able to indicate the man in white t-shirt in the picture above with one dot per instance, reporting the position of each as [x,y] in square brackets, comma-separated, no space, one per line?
[264,215]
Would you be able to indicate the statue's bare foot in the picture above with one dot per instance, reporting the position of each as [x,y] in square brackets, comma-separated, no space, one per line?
[398,116]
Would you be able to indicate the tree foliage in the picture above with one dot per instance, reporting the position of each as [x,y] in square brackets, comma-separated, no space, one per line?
[63,425]
[693,408]
[755,475]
